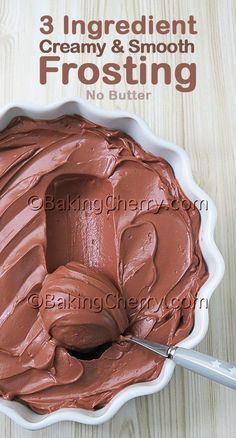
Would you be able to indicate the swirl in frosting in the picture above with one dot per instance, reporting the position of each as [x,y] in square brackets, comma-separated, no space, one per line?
[92,245]
[73,323]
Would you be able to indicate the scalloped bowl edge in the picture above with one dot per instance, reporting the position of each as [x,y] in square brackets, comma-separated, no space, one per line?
[176,156]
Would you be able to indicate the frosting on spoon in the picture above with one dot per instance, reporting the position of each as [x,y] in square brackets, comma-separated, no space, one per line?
[87,214]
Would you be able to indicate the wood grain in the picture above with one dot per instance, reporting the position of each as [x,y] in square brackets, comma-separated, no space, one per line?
[204,123]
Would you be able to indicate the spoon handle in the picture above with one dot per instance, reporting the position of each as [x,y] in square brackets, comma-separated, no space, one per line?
[207,366]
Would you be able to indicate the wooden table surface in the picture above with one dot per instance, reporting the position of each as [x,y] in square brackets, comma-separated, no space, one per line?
[204,123]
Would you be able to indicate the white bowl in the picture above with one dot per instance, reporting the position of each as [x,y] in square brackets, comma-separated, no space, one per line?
[136,128]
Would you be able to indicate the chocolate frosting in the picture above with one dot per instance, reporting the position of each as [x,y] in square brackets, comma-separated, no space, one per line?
[92,246]
[81,326]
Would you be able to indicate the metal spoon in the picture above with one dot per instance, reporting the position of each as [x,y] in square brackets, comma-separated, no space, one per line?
[207,366]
